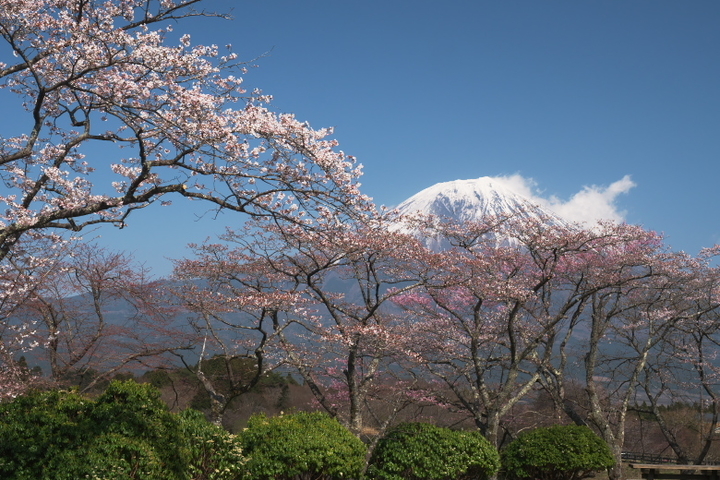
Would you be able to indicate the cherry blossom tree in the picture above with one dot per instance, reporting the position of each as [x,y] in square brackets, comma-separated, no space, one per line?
[326,293]
[75,314]
[168,118]
[116,111]
[683,368]
[491,318]
[350,275]
[641,295]
[239,308]
[25,270]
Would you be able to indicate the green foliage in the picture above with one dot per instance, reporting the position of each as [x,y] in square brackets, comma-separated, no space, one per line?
[127,433]
[201,400]
[140,430]
[25,371]
[157,378]
[420,451]
[301,444]
[37,431]
[561,452]
[215,454]
[231,375]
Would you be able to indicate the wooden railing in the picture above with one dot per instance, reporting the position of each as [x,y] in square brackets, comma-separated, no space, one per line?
[677,472]
[637,457]
[646,458]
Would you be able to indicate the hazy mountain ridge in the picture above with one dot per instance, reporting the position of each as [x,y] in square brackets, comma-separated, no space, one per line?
[461,200]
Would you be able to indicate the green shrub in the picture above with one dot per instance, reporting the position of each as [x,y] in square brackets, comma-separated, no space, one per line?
[135,427]
[37,431]
[301,444]
[215,454]
[127,433]
[561,452]
[420,451]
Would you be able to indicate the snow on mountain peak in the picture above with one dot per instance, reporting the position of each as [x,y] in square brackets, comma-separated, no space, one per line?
[466,200]
[471,200]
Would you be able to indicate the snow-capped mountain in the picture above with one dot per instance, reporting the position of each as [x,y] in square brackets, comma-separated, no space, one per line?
[465,200]
[472,200]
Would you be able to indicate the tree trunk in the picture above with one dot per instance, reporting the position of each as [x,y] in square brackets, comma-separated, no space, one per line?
[217,401]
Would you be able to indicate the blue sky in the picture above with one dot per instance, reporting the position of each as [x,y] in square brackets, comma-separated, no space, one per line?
[565,94]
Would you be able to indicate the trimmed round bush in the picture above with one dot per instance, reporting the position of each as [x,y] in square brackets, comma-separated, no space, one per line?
[421,451]
[127,433]
[215,454]
[37,431]
[561,452]
[306,445]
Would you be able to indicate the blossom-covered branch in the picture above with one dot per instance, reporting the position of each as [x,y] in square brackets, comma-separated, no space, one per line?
[120,115]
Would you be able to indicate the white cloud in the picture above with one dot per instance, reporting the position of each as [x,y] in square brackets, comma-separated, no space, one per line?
[589,205]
